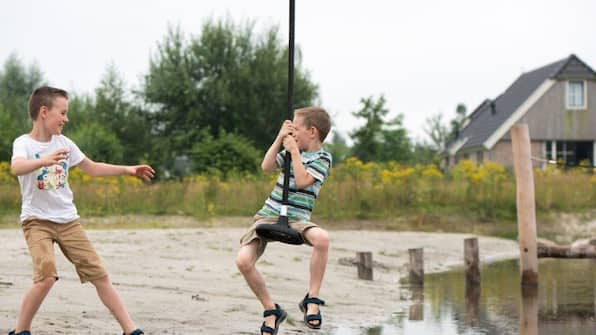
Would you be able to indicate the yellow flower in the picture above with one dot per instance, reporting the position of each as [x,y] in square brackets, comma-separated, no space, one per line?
[464,169]
[211,209]
[431,172]
[6,176]
[386,176]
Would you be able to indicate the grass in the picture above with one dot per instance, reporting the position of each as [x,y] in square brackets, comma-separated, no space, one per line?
[470,198]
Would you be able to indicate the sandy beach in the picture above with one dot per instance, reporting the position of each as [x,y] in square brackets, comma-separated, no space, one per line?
[184,281]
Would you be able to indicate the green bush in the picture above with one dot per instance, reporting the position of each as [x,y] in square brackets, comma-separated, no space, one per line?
[225,154]
[98,143]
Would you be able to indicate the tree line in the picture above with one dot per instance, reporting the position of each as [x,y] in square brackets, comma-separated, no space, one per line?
[208,102]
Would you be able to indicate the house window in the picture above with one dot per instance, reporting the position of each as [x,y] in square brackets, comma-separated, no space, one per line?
[573,153]
[576,94]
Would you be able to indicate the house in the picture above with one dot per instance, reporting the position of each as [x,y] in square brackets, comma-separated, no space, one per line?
[556,101]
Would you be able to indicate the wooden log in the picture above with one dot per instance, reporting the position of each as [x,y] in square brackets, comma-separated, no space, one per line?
[365,265]
[471,260]
[526,207]
[578,249]
[416,266]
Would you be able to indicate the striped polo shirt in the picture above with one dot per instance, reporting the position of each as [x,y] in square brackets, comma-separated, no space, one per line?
[301,202]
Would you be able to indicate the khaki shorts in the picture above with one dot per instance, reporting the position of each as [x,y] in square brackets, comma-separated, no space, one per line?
[251,234]
[74,243]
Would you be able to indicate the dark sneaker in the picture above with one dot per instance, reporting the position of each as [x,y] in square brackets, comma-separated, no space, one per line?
[137,331]
[24,332]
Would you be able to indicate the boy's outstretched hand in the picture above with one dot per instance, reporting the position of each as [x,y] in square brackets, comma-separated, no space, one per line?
[55,157]
[142,171]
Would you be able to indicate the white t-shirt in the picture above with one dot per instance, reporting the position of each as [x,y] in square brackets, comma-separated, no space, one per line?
[45,192]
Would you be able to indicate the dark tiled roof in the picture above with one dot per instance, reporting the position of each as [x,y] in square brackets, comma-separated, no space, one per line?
[491,114]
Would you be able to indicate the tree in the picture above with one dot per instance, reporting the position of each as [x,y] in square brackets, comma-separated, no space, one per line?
[396,143]
[81,112]
[98,142]
[457,124]
[111,115]
[337,147]
[368,140]
[115,110]
[378,140]
[7,135]
[437,132]
[16,84]
[226,79]
[230,152]
[424,153]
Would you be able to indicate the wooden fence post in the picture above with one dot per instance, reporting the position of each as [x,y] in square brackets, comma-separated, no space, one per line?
[526,208]
[471,260]
[416,266]
[416,309]
[472,317]
[528,316]
[365,265]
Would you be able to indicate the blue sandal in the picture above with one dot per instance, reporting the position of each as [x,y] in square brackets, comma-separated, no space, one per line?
[308,318]
[280,316]
[137,331]
[24,332]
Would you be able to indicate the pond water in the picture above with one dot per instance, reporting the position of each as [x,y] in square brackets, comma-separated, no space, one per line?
[563,304]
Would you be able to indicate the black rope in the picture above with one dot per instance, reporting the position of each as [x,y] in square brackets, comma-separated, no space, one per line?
[287,158]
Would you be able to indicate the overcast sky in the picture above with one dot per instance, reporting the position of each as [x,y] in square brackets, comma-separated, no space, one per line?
[425,56]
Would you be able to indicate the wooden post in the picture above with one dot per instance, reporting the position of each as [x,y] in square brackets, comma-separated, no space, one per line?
[416,266]
[526,210]
[472,317]
[365,265]
[416,310]
[471,261]
[555,297]
[528,316]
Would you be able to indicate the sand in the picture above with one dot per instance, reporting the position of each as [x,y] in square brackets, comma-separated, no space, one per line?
[184,281]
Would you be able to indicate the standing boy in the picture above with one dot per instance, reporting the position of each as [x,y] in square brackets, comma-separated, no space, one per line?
[41,160]
[303,139]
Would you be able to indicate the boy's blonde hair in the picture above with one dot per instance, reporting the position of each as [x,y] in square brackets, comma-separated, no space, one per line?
[316,117]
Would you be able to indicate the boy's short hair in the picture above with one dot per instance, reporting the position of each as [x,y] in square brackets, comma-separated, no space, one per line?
[44,96]
[316,117]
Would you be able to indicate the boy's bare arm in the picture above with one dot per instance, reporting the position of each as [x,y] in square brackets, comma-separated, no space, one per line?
[96,169]
[301,177]
[21,166]
[269,164]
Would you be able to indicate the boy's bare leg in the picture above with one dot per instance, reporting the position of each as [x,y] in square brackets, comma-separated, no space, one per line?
[245,261]
[319,238]
[111,299]
[32,301]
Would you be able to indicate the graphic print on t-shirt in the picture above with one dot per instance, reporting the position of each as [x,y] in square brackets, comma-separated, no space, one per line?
[52,177]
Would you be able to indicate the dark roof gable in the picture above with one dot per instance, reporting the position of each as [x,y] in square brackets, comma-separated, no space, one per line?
[575,68]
